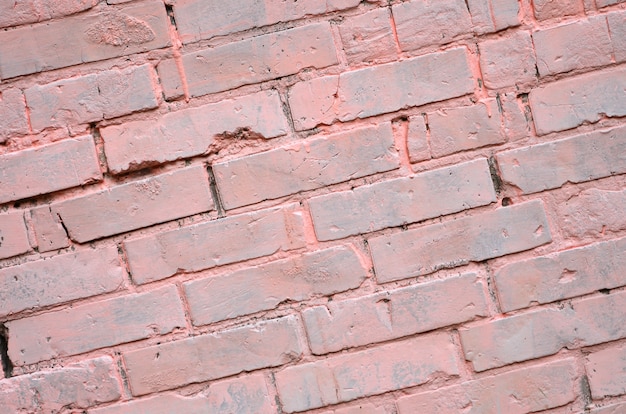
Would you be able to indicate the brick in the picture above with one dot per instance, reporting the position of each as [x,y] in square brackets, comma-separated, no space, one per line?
[136,204]
[263,287]
[515,116]
[606,3]
[617,28]
[507,61]
[562,275]
[421,23]
[368,37]
[521,391]
[373,371]
[48,168]
[454,243]
[95,325]
[576,159]
[49,231]
[91,98]
[88,37]
[246,395]
[12,113]
[202,358]
[191,132]
[593,212]
[31,11]
[306,165]
[402,200]
[80,385]
[544,332]
[13,236]
[258,59]
[417,139]
[219,242]
[573,101]
[362,408]
[381,89]
[609,409]
[578,45]
[394,313]
[493,15]
[606,370]
[59,279]
[547,9]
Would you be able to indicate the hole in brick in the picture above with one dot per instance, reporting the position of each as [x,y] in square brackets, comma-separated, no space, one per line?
[605,291]
[506,201]
[7,365]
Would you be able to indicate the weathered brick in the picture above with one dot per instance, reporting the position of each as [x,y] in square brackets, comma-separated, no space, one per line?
[80,385]
[87,37]
[90,98]
[606,3]
[13,236]
[385,88]
[493,15]
[417,139]
[421,23]
[368,37]
[547,9]
[577,45]
[609,409]
[453,243]
[606,370]
[215,243]
[201,358]
[562,275]
[617,28]
[394,314]
[12,113]
[41,170]
[544,332]
[59,279]
[507,61]
[374,371]
[521,391]
[362,408]
[306,165]
[246,395]
[263,287]
[190,132]
[30,11]
[573,101]
[136,204]
[592,213]
[576,159]
[49,231]
[402,200]
[258,59]
[95,325]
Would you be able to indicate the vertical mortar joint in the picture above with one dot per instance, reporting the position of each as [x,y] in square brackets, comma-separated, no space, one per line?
[7,365]
[215,192]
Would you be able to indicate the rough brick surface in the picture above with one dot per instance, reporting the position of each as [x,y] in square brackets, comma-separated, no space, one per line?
[617,28]
[609,409]
[593,212]
[368,37]
[30,11]
[606,371]
[507,61]
[13,114]
[13,236]
[48,228]
[546,9]
[494,15]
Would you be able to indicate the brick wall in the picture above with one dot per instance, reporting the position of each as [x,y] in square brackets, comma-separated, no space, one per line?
[321,206]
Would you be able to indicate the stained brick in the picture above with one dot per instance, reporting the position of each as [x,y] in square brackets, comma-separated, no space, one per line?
[546,9]
[368,37]
[49,231]
[12,113]
[609,409]
[606,370]
[507,61]
[31,11]
[494,15]
[13,236]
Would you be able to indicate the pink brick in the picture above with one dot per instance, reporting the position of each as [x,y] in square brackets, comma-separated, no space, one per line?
[80,385]
[571,102]
[394,313]
[59,279]
[368,37]
[592,213]
[577,159]
[562,275]
[374,371]
[90,98]
[507,61]
[385,88]
[12,113]
[417,139]
[49,231]
[48,168]
[246,395]
[605,3]
[13,236]
[454,243]
[191,132]
[544,332]
[95,325]
[517,392]
[136,204]
[87,37]
[219,242]
[493,15]
[609,409]
[606,370]
[202,358]
[402,200]
[258,59]
[362,408]
[306,165]
[263,287]
[547,9]
[30,11]
[578,45]
[421,23]
[617,28]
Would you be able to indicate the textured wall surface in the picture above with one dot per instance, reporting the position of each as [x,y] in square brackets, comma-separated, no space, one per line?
[321,206]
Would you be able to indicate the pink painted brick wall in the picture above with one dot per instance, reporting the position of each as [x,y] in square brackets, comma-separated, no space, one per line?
[320,206]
